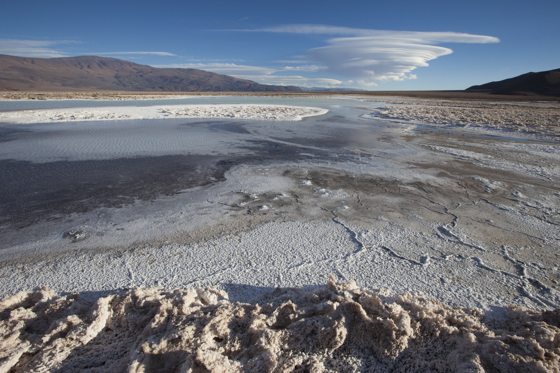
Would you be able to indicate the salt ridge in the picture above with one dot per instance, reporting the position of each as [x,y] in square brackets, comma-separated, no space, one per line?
[336,328]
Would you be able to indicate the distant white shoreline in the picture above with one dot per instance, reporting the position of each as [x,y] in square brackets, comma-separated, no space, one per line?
[223,111]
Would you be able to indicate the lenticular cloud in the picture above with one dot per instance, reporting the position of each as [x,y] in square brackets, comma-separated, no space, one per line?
[375,55]
[385,57]
[373,58]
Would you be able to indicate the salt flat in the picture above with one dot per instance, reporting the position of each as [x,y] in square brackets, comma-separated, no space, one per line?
[416,202]
[373,192]
[247,112]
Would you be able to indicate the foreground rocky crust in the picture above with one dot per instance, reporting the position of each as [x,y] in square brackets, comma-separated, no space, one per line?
[338,328]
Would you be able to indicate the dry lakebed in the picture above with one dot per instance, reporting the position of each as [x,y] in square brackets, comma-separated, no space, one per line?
[279,234]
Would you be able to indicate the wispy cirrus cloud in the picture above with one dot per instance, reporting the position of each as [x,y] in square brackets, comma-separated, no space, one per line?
[428,37]
[301,60]
[309,68]
[296,80]
[262,74]
[51,49]
[235,69]
[167,54]
[224,68]
[33,48]
[369,56]
[214,60]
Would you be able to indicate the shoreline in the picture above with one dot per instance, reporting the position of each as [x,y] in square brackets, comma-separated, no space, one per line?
[208,111]
[541,120]
[131,95]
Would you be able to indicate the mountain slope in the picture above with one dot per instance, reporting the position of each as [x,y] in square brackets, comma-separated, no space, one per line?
[102,73]
[545,83]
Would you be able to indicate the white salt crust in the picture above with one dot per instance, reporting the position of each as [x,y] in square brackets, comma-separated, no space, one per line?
[233,111]
[336,328]
[540,119]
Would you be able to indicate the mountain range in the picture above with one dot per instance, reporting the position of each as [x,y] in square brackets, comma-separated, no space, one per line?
[546,83]
[92,73]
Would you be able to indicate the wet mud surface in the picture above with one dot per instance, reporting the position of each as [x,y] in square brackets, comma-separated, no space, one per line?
[31,192]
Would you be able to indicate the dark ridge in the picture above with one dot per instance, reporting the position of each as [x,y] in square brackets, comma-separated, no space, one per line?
[546,83]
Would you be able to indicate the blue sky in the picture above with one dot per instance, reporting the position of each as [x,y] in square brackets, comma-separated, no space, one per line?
[389,45]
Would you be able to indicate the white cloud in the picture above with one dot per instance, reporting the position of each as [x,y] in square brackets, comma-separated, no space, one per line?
[32,48]
[301,60]
[213,60]
[44,49]
[242,70]
[224,68]
[430,37]
[310,68]
[313,29]
[299,81]
[373,59]
[367,56]
[136,53]
[262,74]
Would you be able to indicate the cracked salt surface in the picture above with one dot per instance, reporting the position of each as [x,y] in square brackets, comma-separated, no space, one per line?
[429,259]
[530,120]
[386,212]
[288,254]
[435,215]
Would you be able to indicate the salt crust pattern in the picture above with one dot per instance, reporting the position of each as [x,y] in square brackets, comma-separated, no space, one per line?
[338,328]
[225,111]
[541,118]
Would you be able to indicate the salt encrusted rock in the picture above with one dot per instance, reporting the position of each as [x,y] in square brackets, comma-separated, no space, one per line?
[337,328]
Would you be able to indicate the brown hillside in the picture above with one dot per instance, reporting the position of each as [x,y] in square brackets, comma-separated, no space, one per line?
[101,73]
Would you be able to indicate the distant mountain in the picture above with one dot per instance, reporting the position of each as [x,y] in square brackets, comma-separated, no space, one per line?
[545,83]
[89,73]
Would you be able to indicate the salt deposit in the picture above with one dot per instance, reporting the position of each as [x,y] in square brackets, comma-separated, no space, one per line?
[252,112]
[468,220]
[541,118]
[336,328]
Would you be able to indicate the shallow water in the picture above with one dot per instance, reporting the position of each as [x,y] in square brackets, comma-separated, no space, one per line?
[97,206]
[194,100]
[52,170]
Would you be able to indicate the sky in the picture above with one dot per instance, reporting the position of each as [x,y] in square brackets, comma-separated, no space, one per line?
[374,45]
